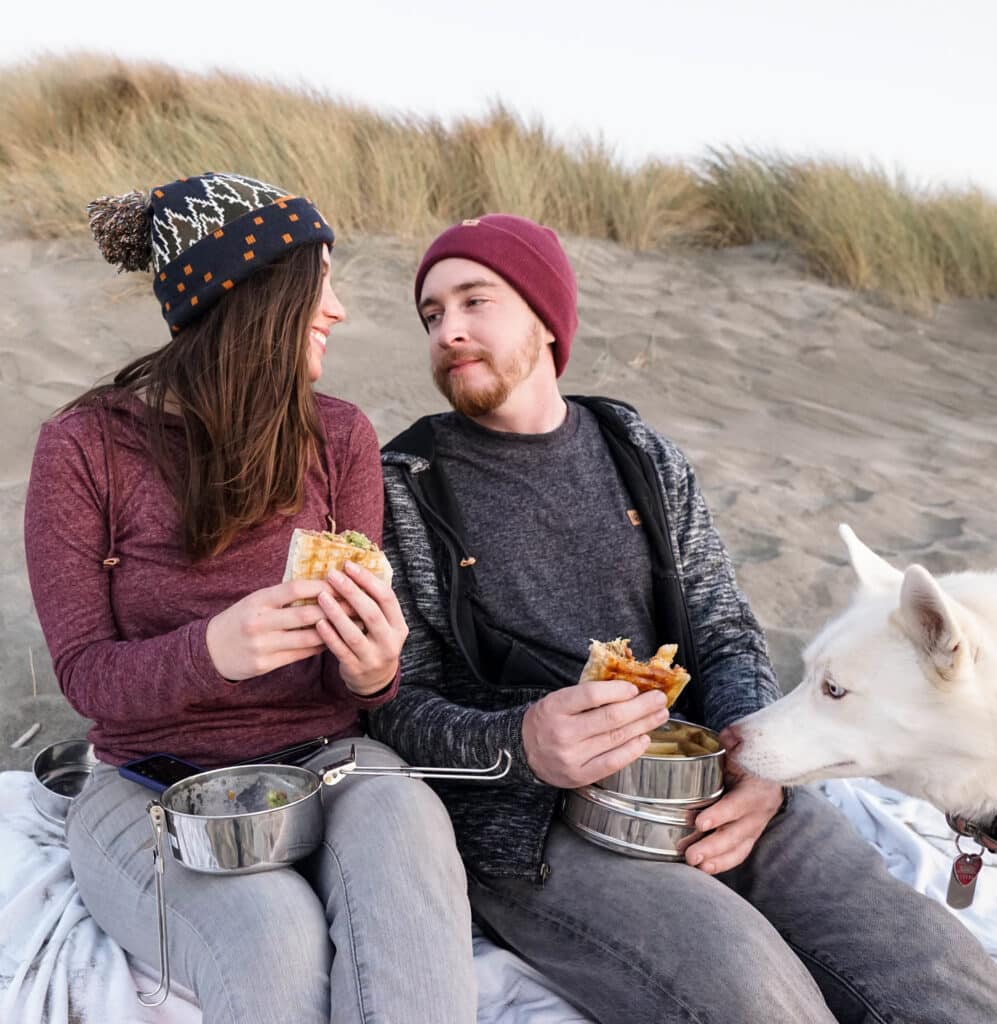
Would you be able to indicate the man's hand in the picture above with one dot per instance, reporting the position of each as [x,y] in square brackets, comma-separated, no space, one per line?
[582,733]
[739,817]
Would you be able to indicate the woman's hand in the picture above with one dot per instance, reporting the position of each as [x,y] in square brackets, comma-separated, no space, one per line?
[260,633]
[363,626]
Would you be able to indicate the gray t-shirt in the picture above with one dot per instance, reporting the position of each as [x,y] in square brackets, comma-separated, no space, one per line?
[559,557]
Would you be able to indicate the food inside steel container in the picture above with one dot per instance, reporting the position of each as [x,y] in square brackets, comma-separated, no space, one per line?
[238,791]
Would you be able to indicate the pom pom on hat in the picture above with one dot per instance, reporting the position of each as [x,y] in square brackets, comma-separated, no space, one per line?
[122,227]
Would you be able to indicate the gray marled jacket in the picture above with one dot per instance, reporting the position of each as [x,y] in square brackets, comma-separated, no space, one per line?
[445,714]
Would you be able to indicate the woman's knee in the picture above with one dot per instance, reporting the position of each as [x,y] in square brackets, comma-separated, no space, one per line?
[256,945]
[395,808]
[389,834]
[394,811]
[249,946]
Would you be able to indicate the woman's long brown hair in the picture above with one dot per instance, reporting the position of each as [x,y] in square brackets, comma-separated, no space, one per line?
[239,376]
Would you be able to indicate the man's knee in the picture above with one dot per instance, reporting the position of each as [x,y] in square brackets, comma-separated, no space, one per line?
[729,965]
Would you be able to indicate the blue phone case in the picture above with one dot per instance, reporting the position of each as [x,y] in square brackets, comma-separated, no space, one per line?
[158,771]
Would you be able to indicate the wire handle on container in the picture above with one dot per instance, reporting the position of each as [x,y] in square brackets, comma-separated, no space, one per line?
[340,770]
[157,817]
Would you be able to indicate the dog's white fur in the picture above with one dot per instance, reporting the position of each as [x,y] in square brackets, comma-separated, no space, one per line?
[902,687]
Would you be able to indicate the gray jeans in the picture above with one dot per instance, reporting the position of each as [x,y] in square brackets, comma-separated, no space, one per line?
[811,928]
[374,927]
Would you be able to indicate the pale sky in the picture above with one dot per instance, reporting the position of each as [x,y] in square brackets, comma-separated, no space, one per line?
[910,85]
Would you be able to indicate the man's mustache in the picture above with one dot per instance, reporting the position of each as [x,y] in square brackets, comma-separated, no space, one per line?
[452,358]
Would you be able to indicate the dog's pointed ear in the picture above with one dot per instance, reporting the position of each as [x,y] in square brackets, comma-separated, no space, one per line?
[931,620]
[874,573]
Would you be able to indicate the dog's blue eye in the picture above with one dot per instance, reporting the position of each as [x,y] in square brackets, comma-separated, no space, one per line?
[832,690]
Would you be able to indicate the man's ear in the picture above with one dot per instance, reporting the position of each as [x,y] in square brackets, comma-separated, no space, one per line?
[931,621]
[875,574]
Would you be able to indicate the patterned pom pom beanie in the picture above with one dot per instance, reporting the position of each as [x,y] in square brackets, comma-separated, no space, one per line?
[201,236]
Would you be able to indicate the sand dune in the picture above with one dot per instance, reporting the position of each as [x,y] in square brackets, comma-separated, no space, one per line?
[800,405]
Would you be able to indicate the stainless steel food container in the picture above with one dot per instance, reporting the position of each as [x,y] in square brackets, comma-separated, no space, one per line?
[648,808]
[60,772]
[653,832]
[220,822]
[670,780]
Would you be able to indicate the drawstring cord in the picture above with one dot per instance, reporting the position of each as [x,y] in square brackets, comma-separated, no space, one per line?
[111,560]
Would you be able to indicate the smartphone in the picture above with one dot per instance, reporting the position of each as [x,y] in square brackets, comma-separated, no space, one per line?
[158,771]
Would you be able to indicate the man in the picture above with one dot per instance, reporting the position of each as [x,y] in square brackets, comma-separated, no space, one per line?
[520,526]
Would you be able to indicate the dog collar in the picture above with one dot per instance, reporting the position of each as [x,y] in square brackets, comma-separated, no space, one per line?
[985,833]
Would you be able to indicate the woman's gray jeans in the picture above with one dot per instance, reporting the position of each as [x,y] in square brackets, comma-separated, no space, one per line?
[374,927]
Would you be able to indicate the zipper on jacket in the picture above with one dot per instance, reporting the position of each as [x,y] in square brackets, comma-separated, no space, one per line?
[656,488]
[452,543]
[544,871]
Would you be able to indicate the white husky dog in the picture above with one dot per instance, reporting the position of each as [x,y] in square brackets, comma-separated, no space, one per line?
[902,687]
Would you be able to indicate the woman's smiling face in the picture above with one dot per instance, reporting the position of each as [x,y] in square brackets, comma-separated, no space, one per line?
[328,311]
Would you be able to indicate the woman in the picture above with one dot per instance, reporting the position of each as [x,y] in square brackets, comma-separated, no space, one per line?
[158,518]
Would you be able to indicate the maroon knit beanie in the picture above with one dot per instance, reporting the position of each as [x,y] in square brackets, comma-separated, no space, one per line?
[528,256]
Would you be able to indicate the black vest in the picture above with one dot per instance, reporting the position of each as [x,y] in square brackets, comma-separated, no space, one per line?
[493,656]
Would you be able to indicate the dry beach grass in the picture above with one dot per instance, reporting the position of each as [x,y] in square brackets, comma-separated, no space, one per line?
[75,127]
[802,403]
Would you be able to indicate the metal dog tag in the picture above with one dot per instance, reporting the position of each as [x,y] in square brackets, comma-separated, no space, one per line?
[962,883]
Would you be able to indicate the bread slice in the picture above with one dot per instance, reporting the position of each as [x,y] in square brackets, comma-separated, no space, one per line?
[615,660]
[313,554]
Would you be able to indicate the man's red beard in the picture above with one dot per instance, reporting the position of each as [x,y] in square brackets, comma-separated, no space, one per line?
[480,400]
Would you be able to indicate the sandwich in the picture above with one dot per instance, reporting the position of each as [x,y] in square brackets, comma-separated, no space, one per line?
[615,660]
[313,554]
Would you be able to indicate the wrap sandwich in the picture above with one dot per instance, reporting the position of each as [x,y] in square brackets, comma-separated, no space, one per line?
[313,554]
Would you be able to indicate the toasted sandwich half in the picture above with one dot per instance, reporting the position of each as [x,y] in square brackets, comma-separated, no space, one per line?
[615,660]
[313,554]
